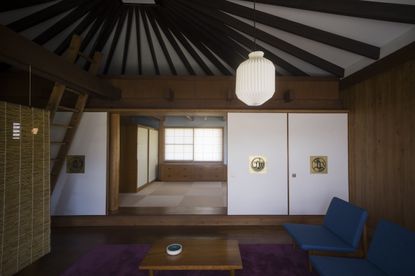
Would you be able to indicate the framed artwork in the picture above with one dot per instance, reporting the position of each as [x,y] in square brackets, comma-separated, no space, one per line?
[318,165]
[75,164]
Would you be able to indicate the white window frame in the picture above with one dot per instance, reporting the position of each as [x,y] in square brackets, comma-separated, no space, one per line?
[193,145]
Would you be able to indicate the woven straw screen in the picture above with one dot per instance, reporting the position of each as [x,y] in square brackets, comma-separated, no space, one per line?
[24,186]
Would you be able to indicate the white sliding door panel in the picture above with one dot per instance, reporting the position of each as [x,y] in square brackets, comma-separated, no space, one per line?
[142,156]
[317,135]
[257,134]
[153,154]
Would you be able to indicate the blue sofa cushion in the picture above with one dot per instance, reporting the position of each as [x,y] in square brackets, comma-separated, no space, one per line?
[316,237]
[332,266]
[345,220]
[393,249]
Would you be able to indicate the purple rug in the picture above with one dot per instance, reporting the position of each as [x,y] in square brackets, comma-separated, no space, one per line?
[257,259]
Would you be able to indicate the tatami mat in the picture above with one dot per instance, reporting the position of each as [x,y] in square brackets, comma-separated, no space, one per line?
[177,194]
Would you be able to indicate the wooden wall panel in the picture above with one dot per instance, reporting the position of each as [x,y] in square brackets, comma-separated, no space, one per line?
[24,187]
[216,92]
[382,144]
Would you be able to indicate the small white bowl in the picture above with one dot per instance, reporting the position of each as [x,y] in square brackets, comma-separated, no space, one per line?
[174,249]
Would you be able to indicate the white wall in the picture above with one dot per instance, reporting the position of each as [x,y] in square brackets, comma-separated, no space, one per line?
[262,134]
[84,194]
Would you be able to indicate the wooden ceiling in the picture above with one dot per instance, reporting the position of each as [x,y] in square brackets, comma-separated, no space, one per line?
[199,37]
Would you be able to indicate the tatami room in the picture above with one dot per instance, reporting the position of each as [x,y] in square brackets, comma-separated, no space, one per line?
[222,137]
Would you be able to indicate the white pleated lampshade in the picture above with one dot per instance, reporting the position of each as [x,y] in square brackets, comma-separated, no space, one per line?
[255,79]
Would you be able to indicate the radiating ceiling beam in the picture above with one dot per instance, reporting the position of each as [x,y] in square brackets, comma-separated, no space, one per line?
[277,43]
[366,9]
[22,53]
[106,30]
[138,38]
[18,4]
[114,41]
[161,41]
[173,43]
[127,39]
[177,33]
[150,41]
[94,14]
[302,30]
[222,46]
[65,22]
[197,42]
[243,40]
[43,15]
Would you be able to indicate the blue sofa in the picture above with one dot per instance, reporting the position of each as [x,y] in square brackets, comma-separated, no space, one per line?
[340,232]
[391,252]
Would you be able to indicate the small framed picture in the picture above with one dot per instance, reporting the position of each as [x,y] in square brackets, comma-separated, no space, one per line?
[75,164]
[318,165]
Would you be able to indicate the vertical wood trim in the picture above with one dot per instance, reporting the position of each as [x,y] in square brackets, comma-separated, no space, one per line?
[114,167]
[161,142]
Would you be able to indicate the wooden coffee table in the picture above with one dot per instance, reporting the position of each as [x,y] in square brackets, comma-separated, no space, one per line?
[196,255]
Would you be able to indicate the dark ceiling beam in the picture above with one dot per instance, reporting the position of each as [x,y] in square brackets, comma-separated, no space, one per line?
[22,53]
[226,49]
[137,32]
[278,43]
[156,30]
[106,30]
[109,8]
[243,40]
[81,27]
[65,22]
[117,34]
[43,15]
[183,40]
[198,43]
[315,34]
[366,9]
[150,41]
[18,4]
[173,42]
[127,38]
[397,58]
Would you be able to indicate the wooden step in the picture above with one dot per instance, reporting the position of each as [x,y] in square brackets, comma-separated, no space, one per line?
[73,91]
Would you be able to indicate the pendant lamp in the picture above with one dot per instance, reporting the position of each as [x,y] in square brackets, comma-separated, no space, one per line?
[255,78]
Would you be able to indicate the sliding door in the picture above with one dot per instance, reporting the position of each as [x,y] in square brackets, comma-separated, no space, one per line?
[153,154]
[318,161]
[257,164]
[142,156]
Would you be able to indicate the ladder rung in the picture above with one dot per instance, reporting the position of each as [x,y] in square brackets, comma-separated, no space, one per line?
[73,91]
[62,125]
[86,57]
[68,108]
[56,142]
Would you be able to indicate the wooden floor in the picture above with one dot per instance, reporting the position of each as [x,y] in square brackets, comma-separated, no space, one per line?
[68,244]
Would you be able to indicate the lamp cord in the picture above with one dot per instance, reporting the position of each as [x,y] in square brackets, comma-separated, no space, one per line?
[254,28]
[30,85]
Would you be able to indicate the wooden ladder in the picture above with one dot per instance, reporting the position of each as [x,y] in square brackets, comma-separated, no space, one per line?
[55,105]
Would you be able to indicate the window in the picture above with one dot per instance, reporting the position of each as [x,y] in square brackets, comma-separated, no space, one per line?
[193,144]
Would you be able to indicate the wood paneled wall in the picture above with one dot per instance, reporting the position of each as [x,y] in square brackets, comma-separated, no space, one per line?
[382,144]
[216,92]
[24,187]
